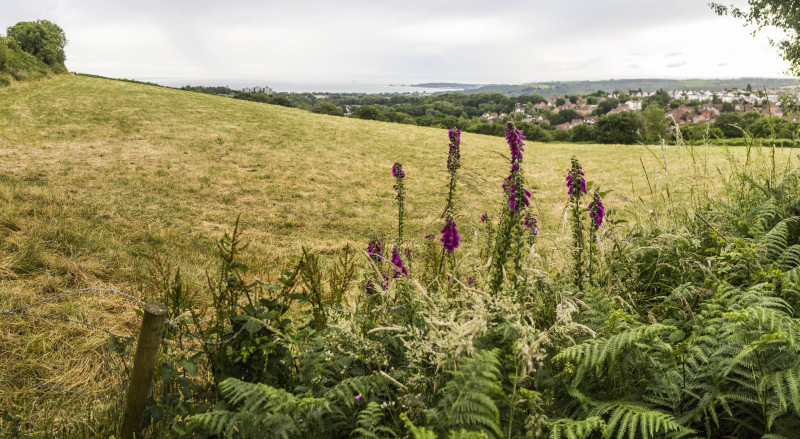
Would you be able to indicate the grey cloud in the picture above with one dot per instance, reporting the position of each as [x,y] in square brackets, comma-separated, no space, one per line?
[678,64]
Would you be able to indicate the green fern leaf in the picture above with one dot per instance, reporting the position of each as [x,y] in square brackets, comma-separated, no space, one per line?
[571,429]
[466,400]
[369,421]
[417,432]
[631,418]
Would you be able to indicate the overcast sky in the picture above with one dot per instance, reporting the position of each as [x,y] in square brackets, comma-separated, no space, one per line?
[410,41]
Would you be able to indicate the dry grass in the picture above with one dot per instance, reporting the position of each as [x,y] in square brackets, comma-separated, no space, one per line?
[97,176]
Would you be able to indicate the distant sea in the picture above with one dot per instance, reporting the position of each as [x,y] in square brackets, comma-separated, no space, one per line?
[300,87]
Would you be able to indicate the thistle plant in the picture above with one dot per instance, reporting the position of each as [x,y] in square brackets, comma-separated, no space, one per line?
[576,188]
[399,175]
[512,223]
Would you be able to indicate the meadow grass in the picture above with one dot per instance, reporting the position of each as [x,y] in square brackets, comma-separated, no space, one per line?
[98,177]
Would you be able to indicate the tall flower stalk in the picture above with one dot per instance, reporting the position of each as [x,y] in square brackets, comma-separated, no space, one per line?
[399,175]
[450,237]
[597,213]
[516,216]
[576,188]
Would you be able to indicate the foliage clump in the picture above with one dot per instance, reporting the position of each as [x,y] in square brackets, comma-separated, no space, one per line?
[32,50]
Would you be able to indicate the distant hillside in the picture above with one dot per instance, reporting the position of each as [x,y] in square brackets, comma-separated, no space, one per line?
[554,89]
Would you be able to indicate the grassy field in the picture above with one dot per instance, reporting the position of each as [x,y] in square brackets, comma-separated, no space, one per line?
[99,177]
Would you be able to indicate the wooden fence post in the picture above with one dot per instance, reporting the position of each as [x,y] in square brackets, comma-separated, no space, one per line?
[144,365]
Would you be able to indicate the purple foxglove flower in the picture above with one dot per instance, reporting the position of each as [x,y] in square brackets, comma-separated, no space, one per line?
[398,264]
[358,399]
[470,281]
[575,179]
[597,211]
[513,202]
[454,156]
[409,253]
[374,250]
[369,288]
[483,218]
[515,138]
[450,237]
[532,222]
[397,170]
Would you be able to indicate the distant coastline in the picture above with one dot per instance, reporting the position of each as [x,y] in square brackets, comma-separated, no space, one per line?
[448,85]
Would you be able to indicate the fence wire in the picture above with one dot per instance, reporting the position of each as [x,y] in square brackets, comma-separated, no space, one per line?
[19,312]
[59,389]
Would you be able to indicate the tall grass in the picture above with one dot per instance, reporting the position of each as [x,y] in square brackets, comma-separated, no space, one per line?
[99,178]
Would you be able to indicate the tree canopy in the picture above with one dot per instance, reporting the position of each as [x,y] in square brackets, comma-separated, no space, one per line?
[42,39]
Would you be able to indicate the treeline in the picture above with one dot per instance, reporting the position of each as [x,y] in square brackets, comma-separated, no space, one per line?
[31,50]
[220,90]
[464,111]
[457,110]
[561,88]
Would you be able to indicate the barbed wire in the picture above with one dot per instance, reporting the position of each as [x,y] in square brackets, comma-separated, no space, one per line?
[68,320]
[59,389]
[47,299]
[17,311]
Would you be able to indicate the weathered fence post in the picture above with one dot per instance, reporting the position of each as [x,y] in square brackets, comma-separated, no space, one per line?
[144,364]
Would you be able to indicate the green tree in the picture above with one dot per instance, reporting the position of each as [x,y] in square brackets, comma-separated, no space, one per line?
[42,39]
[325,107]
[563,116]
[750,117]
[582,133]
[655,124]
[560,102]
[782,14]
[606,106]
[369,112]
[624,127]
[730,124]
[728,107]
[769,127]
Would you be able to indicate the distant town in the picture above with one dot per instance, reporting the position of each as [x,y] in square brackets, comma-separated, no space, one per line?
[711,104]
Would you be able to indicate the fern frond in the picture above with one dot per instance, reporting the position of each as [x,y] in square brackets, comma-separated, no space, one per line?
[773,325]
[466,401]
[571,429]
[261,411]
[417,432]
[369,421]
[347,390]
[594,353]
[630,418]
[465,434]
[786,387]
[790,258]
[775,241]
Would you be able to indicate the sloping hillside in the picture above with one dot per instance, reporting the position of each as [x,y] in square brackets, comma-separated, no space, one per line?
[183,165]
[101,179]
